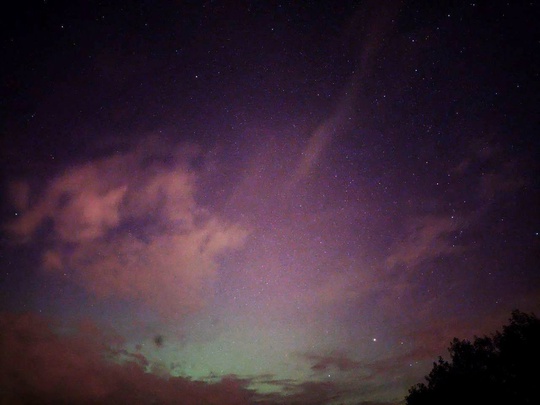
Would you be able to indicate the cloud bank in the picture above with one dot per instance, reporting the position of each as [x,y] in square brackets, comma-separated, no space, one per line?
[39,366]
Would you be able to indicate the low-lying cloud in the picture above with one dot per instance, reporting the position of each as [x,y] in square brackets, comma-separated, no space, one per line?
[39,366]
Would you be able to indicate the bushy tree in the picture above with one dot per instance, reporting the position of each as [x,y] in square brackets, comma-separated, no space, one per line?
[501,369]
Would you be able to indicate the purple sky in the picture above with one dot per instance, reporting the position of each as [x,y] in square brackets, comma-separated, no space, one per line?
[261,202]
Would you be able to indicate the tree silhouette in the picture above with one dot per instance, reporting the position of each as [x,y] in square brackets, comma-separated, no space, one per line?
[501,369]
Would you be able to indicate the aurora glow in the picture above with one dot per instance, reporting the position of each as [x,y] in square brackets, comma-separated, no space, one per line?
[275,203]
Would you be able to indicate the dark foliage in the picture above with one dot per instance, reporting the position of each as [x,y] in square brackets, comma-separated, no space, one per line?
[501,369]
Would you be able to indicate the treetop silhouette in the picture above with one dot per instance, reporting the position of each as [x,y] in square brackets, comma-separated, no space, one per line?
[501,369]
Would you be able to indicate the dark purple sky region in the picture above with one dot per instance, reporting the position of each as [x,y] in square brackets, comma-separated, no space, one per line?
[261,202]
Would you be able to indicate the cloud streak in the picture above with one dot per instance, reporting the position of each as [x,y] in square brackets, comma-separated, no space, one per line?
[426,238]
[335,361]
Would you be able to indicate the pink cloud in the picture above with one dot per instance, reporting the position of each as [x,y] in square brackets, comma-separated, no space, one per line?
[170,273]
[83,204]
[129,226]
[52,260]
[89,215]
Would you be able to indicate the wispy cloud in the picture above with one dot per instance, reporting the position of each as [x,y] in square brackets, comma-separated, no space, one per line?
[426,238]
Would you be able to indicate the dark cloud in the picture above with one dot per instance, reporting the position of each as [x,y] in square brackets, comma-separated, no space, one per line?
[159,340]
[332,362]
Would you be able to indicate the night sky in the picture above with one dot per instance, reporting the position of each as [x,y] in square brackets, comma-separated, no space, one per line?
[261,202]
